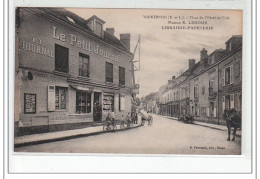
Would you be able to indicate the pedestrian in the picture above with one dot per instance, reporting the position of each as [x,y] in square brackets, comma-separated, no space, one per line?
[128,118]
[132,117]
[136,118]
[113,117]
[108,119]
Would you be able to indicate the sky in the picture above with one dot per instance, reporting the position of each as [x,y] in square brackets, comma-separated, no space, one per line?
[165,52]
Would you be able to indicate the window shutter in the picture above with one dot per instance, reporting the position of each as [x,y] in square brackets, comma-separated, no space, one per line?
[122,102]
[208,111]
[223,78]
[51,98]
[231,74]
[232,106]
[223,103]
[116,107]
[215,110]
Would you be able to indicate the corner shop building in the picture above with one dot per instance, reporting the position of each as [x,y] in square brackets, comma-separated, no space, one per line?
[69,71]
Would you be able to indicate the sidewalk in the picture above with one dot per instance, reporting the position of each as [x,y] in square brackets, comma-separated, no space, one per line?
[62,135]
[209,125]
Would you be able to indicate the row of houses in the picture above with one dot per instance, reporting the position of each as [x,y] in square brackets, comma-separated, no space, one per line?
[207,87]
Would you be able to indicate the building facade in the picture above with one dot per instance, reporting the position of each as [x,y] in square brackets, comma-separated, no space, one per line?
[69,71]
[209,86]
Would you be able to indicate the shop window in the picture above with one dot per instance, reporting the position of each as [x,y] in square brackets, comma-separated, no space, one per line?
[108,103]
[83,65]
[29,103]
[61,59]
[228,75]
[60,98]
[121,76]
[83,102]
[109,72]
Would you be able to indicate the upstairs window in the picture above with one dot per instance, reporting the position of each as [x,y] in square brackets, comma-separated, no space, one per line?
[228,75]
[121,76]
[61,59]
[211,86]
[83,65]
[109,72]
[196,92]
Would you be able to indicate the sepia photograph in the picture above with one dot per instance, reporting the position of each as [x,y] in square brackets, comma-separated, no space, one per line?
[128,81]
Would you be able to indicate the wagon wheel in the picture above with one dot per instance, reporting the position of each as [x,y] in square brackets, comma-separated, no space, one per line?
[114,127]
[104,126]
[143,121]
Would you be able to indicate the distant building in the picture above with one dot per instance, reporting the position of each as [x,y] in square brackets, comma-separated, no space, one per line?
[152,106]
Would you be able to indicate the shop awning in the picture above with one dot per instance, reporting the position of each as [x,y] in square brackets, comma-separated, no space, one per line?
[82,88]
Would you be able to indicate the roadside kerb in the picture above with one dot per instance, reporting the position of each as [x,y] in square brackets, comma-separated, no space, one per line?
[203,125]
[62,138]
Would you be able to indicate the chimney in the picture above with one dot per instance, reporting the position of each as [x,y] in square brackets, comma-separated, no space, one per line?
[111,31]
[125,39]
[169,81]
[191,63]
[173,77]
[203,56]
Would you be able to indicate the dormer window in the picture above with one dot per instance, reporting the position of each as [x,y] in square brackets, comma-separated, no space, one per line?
[213,59]
[230,46]
[96,25]
[98,29]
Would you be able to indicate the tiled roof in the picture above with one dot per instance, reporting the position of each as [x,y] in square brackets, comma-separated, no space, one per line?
[81,23]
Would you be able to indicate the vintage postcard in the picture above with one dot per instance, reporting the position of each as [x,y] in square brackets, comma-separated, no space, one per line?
[128,81]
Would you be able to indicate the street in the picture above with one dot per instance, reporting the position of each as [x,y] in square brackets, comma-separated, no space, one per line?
[165,136]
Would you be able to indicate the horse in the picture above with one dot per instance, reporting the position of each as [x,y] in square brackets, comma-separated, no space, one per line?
[233,119]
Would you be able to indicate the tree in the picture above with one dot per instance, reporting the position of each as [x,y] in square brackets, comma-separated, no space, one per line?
[151,96]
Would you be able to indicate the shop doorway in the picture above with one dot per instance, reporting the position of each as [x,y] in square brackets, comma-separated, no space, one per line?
[97,107]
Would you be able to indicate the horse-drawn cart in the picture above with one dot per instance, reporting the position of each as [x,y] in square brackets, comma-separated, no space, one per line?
[146,117]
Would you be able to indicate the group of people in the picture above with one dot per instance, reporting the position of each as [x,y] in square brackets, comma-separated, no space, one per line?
[129,118]
[133,118]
